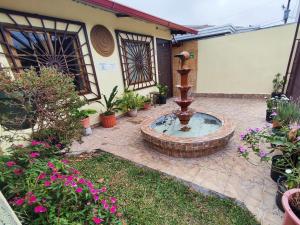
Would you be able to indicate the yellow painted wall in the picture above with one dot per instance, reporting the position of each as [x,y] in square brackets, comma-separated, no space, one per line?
[243,63]
[68,9]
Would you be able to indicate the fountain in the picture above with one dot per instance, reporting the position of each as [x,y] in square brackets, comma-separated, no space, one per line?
[185,132]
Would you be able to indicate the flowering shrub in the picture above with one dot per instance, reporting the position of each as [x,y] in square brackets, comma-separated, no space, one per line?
[263,142]
[49,191]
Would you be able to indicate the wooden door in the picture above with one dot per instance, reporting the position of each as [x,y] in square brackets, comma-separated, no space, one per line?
[164,63]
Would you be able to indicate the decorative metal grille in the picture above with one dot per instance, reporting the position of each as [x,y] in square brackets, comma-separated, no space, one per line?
[137,59]
[30,40]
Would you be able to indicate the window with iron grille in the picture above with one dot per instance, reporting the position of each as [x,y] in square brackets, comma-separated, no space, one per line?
[37,41]
[137,59]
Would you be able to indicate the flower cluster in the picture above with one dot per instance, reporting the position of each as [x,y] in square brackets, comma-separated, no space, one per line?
[49,186]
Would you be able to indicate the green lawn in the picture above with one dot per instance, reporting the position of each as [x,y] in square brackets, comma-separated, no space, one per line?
[148,197]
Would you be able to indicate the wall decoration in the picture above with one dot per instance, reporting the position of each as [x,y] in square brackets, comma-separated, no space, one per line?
[102,40]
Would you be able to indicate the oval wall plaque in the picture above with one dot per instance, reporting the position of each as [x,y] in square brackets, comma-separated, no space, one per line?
[102,40]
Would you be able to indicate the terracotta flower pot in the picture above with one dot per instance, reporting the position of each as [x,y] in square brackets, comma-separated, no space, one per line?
[147,106]
[132,113]
[108,121]
[85,122]
[289,216]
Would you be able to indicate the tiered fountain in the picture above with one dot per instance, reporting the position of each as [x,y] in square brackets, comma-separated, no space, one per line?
[184,114]
[185,132]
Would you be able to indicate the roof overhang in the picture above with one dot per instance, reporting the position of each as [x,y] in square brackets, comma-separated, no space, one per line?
[125,11]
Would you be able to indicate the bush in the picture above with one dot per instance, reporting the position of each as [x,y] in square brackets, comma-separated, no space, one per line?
[48,191]
[45,100]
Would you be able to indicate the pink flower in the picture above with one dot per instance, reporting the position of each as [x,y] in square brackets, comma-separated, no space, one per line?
[81,181]
[79,190]
[35,143]
[47,183]
[34,154]
[65,161]
[58,146]
[95,197]
[53,177]
[103,189]
[105,206]
[40,209]
[70,178]
[103,202]
[113,200]
[10,163]
[46,145]
[18,171]
[19,201]
[41,176]
[113,209]
[31,200]
[50,165]
[97,220]
[75,171]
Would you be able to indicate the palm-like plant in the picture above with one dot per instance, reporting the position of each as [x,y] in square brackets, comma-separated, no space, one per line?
[110,103]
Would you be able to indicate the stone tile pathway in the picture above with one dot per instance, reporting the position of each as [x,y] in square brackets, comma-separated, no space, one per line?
[223,173]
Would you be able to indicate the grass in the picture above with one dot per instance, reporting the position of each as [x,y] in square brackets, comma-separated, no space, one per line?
[147,197]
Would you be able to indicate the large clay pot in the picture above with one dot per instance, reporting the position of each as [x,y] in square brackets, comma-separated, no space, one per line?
[85,122]
[108,121]
[289,216]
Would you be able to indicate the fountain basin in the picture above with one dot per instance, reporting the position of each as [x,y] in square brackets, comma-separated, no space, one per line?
[201,140]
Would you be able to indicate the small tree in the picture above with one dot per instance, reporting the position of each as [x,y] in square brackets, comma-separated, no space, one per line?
[43,101]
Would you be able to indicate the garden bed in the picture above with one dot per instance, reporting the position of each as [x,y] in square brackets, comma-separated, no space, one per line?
[148,197]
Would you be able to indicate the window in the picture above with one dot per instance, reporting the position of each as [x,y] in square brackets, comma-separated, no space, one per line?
[36,41]
[137,60]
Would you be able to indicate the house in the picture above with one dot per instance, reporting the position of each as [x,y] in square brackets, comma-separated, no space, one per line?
[101,42]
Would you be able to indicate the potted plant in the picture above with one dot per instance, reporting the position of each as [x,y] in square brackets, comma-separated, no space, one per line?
[108,118]
[284,167]
[270,109]
[147,102]
[130,102]
[291,204]
[287,112]
[277,85]
[163,92]
[83,115]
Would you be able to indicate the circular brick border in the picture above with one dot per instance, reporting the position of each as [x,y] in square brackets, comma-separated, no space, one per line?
[188,147]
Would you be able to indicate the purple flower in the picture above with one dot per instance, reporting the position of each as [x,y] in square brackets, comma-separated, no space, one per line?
[242,149]
[262,154]
[298,138]
[242,136]
[274,114]
[257,129]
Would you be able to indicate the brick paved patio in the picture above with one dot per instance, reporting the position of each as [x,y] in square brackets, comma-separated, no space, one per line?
[223,173]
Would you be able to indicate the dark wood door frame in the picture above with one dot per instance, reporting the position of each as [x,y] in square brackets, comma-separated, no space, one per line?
[170,84]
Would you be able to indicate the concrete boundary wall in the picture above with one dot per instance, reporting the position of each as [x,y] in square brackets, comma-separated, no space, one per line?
[243,63]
